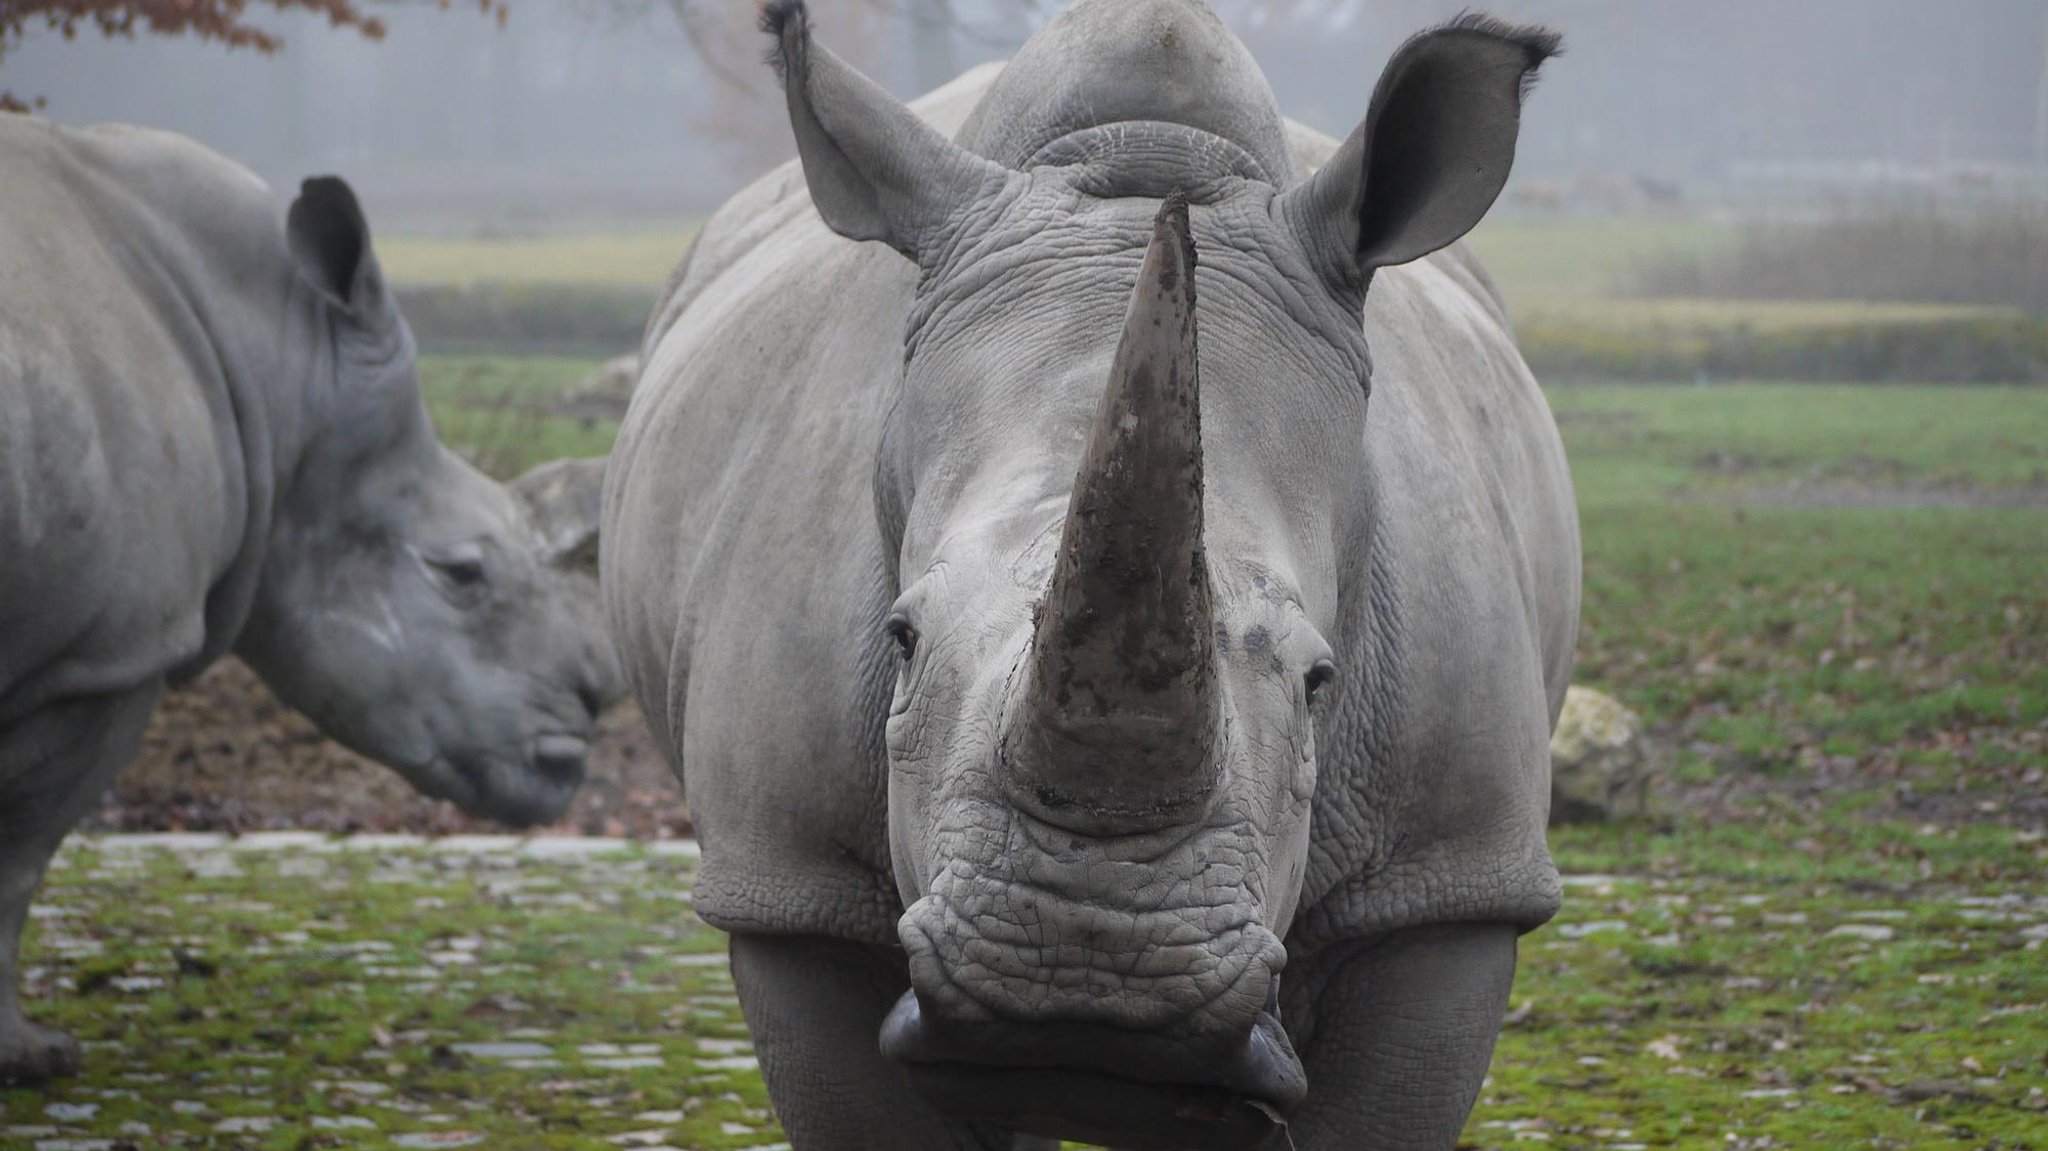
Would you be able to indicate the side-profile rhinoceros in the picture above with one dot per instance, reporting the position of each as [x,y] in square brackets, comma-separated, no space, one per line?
[212,440]
[1046,677]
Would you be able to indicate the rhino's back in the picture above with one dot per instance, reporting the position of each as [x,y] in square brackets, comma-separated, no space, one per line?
[112,504]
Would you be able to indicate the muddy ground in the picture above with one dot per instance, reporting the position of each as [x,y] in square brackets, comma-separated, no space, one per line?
[224,755]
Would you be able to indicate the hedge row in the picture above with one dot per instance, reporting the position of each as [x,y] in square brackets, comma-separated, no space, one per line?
[558,319]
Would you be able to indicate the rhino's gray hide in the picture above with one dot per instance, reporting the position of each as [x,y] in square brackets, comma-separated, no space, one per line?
[212,440]
[878,630]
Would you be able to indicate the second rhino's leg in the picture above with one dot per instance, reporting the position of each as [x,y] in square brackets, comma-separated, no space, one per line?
[815,1007]
[1397,1035]
[54,765]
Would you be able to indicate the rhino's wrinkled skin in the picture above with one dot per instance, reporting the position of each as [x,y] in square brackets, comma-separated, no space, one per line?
[1054,641]
[212,440]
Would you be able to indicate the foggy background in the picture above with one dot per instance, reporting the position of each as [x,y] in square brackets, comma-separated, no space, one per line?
[593,110]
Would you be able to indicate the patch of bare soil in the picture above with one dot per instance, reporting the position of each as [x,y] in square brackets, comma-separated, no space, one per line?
[2008,788]
[224,755]
[1839,494]
[1855,482]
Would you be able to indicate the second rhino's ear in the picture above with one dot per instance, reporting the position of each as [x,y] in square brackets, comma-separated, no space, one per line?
[876,170]
[330,239]
[564,501]
[1433,150]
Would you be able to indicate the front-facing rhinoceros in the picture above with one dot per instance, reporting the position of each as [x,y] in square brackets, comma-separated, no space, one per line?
[212,440]
[1054,642]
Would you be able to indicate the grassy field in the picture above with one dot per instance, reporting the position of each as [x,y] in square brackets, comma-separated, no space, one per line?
[640,258]
[1540,260]
[1760,583]
[1816,979]
[1831,603]
[502,412]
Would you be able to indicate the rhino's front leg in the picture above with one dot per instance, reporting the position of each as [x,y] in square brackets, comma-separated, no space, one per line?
[1396,1034]
[815,1007]
[53,766]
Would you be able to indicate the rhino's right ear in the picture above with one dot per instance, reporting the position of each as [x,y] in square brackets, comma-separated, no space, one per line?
[875,169]
[1432,153]
[330,239]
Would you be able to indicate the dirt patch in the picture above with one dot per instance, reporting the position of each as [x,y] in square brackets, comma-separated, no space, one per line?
[223,754]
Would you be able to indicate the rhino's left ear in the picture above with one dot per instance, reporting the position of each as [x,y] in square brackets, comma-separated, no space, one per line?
[1432,153]
[564,501]
[876,170]
[330,239]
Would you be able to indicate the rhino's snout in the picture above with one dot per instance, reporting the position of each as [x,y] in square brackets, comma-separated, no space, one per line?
[1102,1085]
[529,787]
[561,757]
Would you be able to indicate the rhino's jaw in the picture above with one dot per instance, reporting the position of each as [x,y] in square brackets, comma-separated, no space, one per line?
[1100,1085]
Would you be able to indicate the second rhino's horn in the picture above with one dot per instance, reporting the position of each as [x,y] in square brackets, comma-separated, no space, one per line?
[1122,714]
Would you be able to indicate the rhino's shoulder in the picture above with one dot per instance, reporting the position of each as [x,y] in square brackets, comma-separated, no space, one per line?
[110,446]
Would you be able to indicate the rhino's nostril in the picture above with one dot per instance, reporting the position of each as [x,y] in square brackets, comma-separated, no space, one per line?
[593,700]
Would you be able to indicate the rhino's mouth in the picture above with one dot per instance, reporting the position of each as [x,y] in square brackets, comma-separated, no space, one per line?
[526,790]
[1101,1085]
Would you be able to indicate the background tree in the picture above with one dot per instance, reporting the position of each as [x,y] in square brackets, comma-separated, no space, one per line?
[225,22]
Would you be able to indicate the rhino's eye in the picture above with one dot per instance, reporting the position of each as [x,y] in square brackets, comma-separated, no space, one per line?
[460,572]
[899,629]
[1318,675]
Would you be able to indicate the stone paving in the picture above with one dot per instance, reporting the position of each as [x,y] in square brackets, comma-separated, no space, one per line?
[292,990]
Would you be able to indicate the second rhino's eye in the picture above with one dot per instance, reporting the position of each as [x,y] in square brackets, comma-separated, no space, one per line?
[460,572]
[900,630]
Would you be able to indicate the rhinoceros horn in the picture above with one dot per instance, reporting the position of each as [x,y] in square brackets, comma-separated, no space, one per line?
[1121,714]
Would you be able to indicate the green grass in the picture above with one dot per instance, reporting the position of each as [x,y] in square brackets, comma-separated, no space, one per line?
[499,410]
[1809,979]
[1697,986]
[642,258]
[1632,444]
[319,999]
[1905,644]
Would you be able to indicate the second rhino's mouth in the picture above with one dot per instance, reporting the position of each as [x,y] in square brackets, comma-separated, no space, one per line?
[1101,1085]
[529,789]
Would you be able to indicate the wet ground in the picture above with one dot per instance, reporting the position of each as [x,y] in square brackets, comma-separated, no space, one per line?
[294,991]
[1797,980]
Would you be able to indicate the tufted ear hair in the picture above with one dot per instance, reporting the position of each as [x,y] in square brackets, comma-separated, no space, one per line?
[564,502]
[1432,153]
[876,170]
[330,239]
